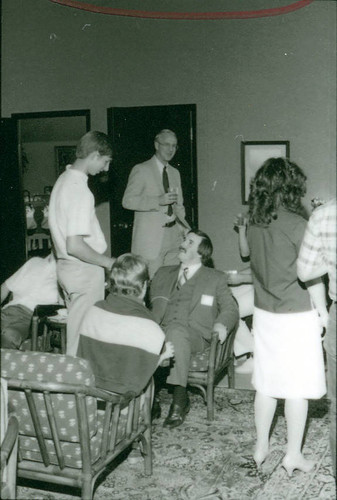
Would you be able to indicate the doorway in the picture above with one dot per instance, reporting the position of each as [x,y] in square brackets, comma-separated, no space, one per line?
[132,130]
[46,142]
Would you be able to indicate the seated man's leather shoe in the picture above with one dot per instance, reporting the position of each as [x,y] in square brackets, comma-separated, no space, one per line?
[177,414]
[156,409]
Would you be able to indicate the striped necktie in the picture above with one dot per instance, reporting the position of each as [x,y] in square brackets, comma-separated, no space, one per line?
[182,278]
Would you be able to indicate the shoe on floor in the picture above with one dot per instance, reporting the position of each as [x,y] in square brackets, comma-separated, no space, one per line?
[245,367]
[176,415]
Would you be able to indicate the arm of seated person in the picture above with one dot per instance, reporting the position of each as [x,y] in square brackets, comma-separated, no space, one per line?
[77,247]
[167,353]
[221,331]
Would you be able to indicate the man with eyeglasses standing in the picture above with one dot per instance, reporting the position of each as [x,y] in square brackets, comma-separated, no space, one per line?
[154,193]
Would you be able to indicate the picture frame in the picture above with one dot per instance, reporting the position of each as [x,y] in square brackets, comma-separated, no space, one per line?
[64,155]
[253,155]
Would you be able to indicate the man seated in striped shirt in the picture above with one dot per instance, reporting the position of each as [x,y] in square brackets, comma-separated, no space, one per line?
[118,335]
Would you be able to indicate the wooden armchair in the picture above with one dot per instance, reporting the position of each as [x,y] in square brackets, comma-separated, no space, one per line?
[206,368]
[69,431]
[9,430]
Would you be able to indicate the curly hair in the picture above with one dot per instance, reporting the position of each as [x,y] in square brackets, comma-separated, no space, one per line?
[278,182]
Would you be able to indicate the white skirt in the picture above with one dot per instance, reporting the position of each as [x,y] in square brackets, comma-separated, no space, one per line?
[288,355]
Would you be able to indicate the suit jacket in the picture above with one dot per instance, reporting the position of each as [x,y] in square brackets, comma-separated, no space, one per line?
[212,300]
[144,187]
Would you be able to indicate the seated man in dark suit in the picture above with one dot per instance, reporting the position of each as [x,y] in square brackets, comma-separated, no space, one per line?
[118,335]
[190,301]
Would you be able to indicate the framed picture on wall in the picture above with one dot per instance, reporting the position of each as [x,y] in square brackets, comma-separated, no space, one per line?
[64,155]
[253,154]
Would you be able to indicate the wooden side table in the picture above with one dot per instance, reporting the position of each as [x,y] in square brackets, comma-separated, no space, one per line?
[50,324]
[59,325]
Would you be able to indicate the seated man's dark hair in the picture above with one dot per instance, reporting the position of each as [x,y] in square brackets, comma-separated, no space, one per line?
[128,275]
[94,141]
[205,249]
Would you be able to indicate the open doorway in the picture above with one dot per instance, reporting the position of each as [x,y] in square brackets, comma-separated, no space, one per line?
[46,144]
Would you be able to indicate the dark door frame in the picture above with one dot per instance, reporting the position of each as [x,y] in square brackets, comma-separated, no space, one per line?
[113,132]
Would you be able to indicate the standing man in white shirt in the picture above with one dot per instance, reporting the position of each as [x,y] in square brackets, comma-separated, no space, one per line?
[154,193]
[77,236]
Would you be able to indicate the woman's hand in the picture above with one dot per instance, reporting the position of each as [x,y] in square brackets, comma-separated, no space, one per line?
[240,221]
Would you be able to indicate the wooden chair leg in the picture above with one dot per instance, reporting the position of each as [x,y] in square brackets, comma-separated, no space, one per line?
[231,375]
[147,448]
[87,488]
[210,402]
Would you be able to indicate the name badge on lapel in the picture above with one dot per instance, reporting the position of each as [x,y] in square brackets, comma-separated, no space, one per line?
[207,300]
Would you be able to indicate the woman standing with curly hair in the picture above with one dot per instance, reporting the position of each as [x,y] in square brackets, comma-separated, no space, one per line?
[288,356]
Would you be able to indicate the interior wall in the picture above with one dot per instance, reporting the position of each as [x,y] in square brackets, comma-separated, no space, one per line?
[252,79]
[41,169]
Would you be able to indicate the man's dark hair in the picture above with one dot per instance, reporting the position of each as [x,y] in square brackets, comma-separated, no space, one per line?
[205,248]
[94,141]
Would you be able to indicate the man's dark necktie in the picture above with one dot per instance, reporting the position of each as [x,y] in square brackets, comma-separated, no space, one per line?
[166,186]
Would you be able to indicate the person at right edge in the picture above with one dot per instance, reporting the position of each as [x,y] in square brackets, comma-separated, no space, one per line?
[288,354]
[318,257]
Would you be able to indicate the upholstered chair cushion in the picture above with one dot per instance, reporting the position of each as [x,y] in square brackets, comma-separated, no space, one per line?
[199,361]
[46,367]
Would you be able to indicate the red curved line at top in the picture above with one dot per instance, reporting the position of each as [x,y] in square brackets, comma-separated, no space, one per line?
[193,16]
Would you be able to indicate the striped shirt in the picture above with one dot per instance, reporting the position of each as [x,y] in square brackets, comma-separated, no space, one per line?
[318,250]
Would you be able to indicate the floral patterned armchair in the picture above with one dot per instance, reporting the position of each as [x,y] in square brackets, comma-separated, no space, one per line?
[69,431]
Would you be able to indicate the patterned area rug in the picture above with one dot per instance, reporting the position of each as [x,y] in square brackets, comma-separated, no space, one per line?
[212,460]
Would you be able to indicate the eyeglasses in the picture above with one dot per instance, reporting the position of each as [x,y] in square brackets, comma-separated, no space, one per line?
[168,145]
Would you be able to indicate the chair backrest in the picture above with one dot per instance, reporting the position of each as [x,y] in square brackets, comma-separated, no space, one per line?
[38,241]
[31,405]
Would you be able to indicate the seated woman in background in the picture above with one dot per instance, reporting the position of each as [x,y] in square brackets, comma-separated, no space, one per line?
[288,355]
[118,336]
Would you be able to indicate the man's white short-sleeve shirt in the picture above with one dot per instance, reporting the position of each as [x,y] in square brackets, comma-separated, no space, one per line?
[34,283]
[72,213]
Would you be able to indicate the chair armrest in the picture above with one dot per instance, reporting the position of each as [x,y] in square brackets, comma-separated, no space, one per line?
[9,439]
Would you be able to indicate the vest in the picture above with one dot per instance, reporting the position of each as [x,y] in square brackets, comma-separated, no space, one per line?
[178,308]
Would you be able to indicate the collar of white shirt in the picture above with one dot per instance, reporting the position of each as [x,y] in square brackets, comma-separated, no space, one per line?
[160,165]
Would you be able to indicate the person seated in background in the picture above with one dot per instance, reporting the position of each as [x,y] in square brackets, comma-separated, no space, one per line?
[190,301]
[118,335]
[34,283]
[243,291]
[240,283]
